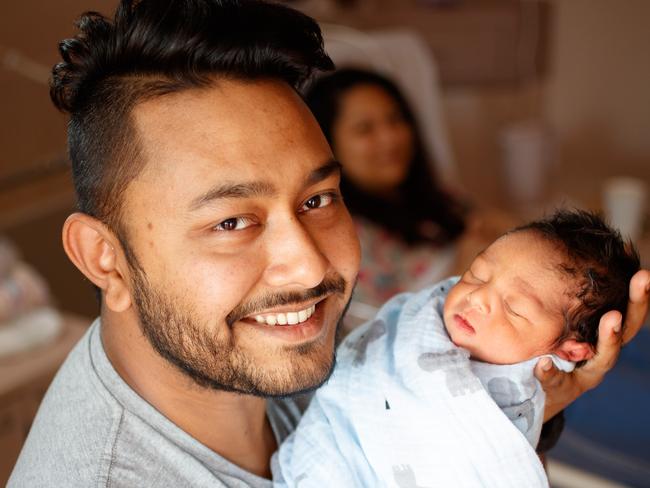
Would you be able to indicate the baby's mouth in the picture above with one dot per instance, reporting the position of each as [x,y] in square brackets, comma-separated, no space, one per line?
[464,324]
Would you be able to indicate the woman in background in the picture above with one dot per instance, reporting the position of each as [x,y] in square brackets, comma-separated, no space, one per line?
[407,224]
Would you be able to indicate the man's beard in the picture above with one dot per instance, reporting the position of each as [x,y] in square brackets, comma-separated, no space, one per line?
[214,361]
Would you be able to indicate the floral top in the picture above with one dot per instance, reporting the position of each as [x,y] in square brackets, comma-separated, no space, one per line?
[390,266]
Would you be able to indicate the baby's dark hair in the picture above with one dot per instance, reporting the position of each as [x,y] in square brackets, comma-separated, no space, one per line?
[156,47]
[597,260]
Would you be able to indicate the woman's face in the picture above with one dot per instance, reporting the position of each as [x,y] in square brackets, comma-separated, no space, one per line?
[372,139]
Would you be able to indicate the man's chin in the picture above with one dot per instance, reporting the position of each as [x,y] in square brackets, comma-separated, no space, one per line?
[295,370]
[301,386]
[303,367]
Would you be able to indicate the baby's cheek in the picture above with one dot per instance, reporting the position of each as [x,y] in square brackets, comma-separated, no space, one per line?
[452,299]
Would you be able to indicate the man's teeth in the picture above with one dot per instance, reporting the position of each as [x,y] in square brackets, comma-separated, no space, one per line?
[289,318]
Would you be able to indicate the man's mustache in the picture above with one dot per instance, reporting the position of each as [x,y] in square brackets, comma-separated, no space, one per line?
[329,285]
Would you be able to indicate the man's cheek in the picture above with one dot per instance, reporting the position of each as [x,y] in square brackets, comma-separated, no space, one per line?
[224,287]
[344,250]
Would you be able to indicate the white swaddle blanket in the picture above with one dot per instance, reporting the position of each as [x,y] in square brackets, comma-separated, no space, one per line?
[407,408]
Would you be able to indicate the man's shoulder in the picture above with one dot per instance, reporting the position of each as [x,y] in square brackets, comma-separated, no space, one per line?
[73,428]
[92,429]
[144,455]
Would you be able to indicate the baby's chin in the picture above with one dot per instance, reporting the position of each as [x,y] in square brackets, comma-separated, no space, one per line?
[474,355]
[486,357]
[462,341]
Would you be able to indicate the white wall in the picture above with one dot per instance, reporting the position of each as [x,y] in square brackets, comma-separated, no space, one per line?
[597,96]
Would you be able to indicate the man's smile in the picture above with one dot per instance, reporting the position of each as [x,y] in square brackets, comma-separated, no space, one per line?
[291,314]
[288,318]
[295,323]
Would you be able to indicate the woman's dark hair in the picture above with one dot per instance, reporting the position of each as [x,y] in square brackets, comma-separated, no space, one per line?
[420,201]
[156,47]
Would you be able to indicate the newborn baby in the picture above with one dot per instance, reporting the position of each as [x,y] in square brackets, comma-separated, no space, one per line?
[439,389]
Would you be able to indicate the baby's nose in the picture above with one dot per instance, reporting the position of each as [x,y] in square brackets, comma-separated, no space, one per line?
[478,299]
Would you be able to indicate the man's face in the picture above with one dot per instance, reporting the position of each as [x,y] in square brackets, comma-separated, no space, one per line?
[508,306]
[237,224]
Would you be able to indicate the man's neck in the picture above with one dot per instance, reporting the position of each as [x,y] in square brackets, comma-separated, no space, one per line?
[233,425]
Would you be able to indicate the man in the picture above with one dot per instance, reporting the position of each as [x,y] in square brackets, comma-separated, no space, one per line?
[211,223]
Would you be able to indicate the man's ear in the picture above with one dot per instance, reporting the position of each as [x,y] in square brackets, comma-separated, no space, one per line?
[94,249]
[575,351]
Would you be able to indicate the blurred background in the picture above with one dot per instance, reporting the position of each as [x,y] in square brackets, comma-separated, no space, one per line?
[522,105]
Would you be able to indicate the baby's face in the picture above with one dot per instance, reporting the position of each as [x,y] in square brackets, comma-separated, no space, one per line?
[508,305]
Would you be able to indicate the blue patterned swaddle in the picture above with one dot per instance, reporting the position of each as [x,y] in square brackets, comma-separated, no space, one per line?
[407,408]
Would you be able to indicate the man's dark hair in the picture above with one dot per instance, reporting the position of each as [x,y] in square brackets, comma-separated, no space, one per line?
[597,260]
[420,200]
[156,47]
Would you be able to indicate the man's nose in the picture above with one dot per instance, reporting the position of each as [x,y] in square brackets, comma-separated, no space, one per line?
[294,257]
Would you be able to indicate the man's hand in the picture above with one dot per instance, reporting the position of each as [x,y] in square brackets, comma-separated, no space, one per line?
[563,388]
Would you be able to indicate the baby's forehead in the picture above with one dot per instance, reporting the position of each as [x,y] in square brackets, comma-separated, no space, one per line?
[533,265]
[537,249]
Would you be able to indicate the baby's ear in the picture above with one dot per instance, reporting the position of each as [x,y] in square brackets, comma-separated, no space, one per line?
[575,351]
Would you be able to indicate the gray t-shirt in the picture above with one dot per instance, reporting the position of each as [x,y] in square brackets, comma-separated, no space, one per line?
[92,429]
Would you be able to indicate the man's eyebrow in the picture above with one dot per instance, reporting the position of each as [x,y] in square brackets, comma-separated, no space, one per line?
[258,188]
[324,171]
[233,190]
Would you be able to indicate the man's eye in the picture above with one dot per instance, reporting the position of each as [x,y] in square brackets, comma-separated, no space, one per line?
[233,223]
[319,201]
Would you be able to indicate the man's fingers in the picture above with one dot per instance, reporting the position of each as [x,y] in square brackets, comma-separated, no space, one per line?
[546,373]
[610,335]
[563,388]
[637,308]
[609,345]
